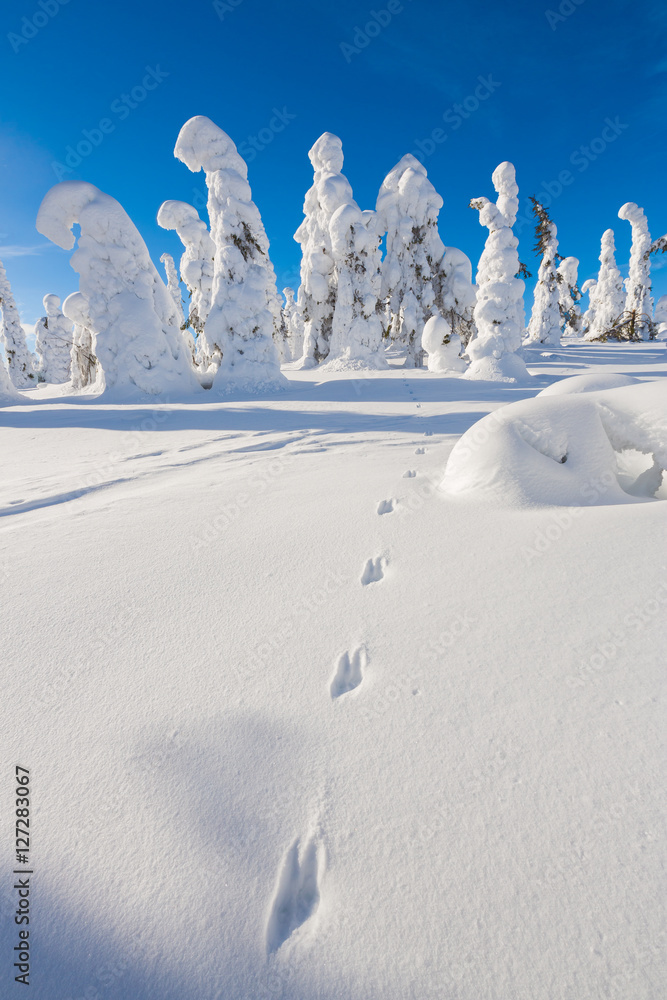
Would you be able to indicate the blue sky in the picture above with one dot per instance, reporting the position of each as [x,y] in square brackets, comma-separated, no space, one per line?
[573,94]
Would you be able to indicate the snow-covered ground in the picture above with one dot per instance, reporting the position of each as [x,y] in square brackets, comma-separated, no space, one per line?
[301,724]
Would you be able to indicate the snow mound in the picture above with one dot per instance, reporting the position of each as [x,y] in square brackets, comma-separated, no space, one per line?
[443,346]
[582,449]
[592,382]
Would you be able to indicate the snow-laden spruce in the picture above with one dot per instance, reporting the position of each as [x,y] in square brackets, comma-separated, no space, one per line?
[8,392]
[456,296]
[588,288]
[607,295]
[660,318]
[407,207]
[319,279]
[244,316]
[196,267]
[53,343]
[443,346]
[638,301]
[83,361]
[356,331]
[173,285]
[545,319]
[569,295]
[293,321]
[137,339]
[499,316]
[21,363]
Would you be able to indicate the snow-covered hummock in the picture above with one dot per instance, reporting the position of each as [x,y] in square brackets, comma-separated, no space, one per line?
[568,297]
[20,362]
[456,294]
[566,449]
[443,346]
[606,295]
[53,343]
[638,283]
[318,291]
[588,287]
[660,318]
[293,325]
[499,316]
[83,361]
[545,319]
[356,332]
[137,339]
[245,309]
[408,206]
[196,270]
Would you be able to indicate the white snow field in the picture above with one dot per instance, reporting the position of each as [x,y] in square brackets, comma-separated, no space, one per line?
[303,724]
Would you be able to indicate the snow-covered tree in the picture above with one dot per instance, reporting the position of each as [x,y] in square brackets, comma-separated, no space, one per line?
[196,271]
[293,324]
[660,318]
[456,294]
[499,317]
[638,301]
[245,310]
[408,206]
[83,361]
[356,331]
[588,287]
[607,297]
[545,319]
[173,284]
[137,339]
[53,343]
[443,346]
[21,363]
[8,393]
[569,295]
[319,280]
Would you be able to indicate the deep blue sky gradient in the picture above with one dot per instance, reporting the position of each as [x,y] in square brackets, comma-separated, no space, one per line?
[554,84]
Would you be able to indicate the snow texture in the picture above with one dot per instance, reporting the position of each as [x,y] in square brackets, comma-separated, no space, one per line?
[443,347]
[196,267]
[244,316]
[499,316]
[319,280]
[83,361]
[606,295]
[137,339]
[20,362]
[638,283]
[563,449]
[53,343]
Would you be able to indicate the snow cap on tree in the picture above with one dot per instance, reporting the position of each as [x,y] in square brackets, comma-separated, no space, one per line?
[407,207]
[53,342]
[21,364]
[588,287]
[638,283]
[137,342]
[244,316]
[293,325]
[457,294]
[319,279]
[197,261]
[356,334]
[545,319]
[499,317]
[83,361]
[443,346]
[607,296]
[568,296]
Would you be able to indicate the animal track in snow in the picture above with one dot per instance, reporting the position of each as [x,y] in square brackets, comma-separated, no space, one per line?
[297,894]
[349,672]
[386,506]
[420,451]
[373,571]
[410,474]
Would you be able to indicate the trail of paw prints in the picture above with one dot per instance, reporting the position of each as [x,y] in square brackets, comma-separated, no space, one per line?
[297,894]
[349,672]
[387,506]
[373,571]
